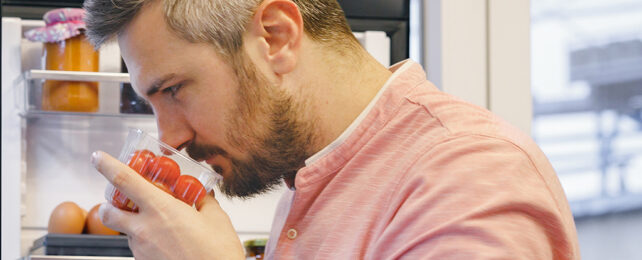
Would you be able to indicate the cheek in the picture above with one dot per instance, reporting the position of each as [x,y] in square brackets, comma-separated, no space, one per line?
[250,122]
[208,123]
[208,116]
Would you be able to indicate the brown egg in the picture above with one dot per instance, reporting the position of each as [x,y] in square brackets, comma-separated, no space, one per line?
[66,218]
[95,226]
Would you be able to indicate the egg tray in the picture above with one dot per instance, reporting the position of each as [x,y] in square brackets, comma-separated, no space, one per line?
[81,245]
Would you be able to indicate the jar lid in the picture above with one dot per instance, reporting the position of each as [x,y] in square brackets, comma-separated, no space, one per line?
[61,24]
[255,242]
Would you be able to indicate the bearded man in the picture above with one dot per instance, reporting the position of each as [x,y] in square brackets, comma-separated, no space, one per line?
[379,163]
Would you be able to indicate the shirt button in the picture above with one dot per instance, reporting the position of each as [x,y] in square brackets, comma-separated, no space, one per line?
[292,233]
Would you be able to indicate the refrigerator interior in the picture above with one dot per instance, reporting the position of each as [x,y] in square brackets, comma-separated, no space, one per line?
[45,156]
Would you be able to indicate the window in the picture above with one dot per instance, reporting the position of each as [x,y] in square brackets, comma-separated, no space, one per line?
[587,99]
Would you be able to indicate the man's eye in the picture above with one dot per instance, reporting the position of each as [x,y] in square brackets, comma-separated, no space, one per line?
[173,89]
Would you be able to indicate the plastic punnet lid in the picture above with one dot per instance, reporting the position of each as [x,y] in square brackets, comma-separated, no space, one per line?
[255,242]
[170,170]
[61,24]
[138,139]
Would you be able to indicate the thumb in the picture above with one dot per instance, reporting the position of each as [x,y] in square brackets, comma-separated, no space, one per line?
[208,203]
[211,209]
[116,219]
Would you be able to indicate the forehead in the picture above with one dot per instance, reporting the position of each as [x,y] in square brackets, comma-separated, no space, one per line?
[147,39]
[152,50]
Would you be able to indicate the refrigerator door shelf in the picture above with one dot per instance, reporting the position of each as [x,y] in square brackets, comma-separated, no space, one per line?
[28,92]
[64,257]
[77,76]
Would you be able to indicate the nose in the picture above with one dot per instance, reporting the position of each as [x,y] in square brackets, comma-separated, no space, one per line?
[173,128]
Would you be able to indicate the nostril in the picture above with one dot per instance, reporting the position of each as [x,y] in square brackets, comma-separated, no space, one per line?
[180,147]
[166,151]
[169,143]
[184,145]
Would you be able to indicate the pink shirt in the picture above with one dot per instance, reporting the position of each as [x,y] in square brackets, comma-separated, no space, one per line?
[423,175]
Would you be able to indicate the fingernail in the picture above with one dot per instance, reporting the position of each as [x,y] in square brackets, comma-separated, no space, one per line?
[94,158]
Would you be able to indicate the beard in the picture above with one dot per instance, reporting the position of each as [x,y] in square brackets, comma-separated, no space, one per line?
[267,126]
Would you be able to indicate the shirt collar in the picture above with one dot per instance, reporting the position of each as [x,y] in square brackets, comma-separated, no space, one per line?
[397,69]
[405,75]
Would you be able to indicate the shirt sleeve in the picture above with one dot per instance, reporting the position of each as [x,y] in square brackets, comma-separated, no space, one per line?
[475,197]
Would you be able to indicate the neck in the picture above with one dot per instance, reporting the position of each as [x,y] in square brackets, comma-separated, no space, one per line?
[337,88]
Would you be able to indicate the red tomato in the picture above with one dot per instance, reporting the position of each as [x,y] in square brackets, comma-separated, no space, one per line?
[189,189]
[163,169]
[121,201]
[141,160]
[164,187]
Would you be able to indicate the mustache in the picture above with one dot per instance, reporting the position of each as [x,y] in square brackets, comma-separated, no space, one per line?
[200,152]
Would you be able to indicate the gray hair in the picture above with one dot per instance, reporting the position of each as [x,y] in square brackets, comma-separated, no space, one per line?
[219,22]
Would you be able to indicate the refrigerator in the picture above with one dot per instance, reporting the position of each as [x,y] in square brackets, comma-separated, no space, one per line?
[45,154]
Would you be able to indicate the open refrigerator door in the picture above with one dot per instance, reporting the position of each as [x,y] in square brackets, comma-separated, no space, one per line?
[11,141]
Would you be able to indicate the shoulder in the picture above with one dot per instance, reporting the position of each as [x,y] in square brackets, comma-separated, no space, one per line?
[477,162]
[450,136]
[476,194]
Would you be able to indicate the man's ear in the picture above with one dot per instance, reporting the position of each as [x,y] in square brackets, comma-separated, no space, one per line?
[277,26]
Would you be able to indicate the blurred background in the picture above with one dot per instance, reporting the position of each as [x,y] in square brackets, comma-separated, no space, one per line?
[586,75]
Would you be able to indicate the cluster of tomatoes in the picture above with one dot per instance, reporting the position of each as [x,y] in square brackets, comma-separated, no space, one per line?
[165,173]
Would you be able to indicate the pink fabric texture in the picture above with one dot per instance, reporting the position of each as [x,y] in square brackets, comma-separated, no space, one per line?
[425,175]
[61,24]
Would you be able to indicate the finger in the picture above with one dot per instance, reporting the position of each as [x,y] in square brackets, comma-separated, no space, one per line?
[211,210]
[126,180]
[115,218]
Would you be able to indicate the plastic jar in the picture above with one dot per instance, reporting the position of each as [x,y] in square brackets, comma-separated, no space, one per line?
[65,47]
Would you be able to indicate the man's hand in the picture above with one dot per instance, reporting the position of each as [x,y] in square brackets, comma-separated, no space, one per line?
[165,227]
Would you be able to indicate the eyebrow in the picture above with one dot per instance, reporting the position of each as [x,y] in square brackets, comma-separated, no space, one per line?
[157,84]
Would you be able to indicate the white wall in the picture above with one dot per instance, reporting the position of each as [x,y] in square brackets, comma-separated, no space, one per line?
[479,51]
[509,82]
[455,50]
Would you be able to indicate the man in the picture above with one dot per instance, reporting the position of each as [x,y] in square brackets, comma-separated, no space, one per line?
[380,163]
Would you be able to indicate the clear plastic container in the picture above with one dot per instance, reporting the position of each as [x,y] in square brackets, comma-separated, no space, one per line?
[165,167]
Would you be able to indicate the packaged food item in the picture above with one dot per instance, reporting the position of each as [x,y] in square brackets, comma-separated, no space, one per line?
[162,165]
[65,47]
[130,102]
[255,248]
